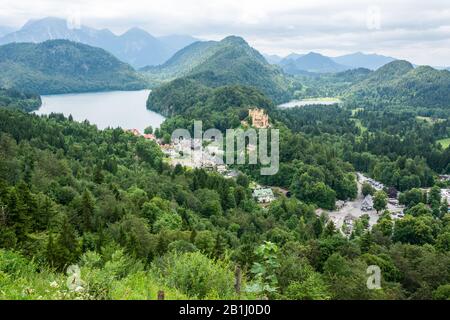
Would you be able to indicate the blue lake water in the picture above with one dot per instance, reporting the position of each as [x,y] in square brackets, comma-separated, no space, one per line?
[308,102]
[125,109]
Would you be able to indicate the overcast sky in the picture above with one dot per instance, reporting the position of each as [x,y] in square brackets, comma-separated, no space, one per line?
[415,30]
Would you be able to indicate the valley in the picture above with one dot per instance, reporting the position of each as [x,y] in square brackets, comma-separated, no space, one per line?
[91,179]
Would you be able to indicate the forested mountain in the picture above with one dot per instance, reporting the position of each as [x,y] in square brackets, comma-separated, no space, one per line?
[228,62]
[13,99]
[62,66]
[363,60]
[311,62]
[400,83]
[136,46]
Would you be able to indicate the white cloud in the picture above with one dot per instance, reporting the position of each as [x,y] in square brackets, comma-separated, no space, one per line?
[411,29]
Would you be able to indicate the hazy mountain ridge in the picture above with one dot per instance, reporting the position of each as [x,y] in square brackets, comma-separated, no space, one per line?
[311,62]
[318,63]
[136,46]
[363,60]
[5,30]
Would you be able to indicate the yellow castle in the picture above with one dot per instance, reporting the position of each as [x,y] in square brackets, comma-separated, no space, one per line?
[259,118]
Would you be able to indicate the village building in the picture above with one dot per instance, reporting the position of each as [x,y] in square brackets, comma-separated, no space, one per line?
[347,226]
[263,195]
[244,123]
[222,169]
[393,201]
[232,174]
[135,132]
[149,137]
[260,119]
[367,203]
[445,195]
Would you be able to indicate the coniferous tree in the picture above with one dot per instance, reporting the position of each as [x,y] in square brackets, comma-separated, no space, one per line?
[18,216]
[51,253]
[67,248]
[87,211]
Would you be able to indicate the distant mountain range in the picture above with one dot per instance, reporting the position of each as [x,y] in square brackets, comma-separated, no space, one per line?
[317,63]
[5,30]
[272,58]
[363,60]
[311,62]
[136,46]
[62,66]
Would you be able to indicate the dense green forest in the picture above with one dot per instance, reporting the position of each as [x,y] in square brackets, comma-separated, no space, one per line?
[399,83]
[330,84]
[107,201]
[103,211]
[392,145]
[222,107]
[13,99]
[61,66]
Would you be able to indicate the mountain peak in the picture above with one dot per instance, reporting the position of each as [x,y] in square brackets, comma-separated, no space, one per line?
[235,40]
[136,31]
[48,21]
[313,54]
[311,62]
[397,67]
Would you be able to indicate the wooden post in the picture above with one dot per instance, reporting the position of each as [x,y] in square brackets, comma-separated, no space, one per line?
[160,295]
[237,280]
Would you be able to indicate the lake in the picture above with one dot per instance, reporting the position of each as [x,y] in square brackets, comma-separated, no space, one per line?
[309,102]
[125,109]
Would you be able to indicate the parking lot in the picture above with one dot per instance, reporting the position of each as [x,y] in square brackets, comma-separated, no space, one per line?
[353,209]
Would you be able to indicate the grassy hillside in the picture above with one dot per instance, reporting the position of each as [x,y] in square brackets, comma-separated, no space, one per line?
[61,66]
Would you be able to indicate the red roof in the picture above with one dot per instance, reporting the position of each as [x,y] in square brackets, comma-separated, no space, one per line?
[149,136]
